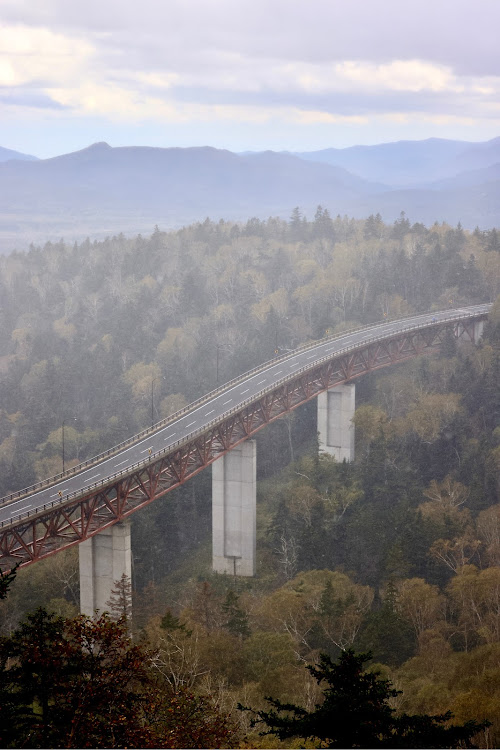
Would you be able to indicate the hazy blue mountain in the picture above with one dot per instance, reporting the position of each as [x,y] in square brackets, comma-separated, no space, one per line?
[7,153]
[471,177]
[479,155]
[172,178]
[410,163]
[101,191]
[472,205]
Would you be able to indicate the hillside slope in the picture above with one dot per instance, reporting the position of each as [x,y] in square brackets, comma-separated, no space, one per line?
[410,163]
[101,190]
[6,154]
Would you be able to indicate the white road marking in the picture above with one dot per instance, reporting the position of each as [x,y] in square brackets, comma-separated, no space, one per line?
[169,436]
[261,381]
[242,392]
[209,412]
[227,402]
[15,502]
[55,495]
[191,424]
[344,341]
[121,463]
[147,449]
[91,478]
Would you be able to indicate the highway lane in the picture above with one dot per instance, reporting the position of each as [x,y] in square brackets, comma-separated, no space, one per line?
[202,415]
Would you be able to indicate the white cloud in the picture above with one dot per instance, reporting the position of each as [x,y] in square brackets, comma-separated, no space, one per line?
[157,80]
[315,117]
[8,75]
[119,103]
[327,63]
[31,55]
[457,33]
[353,75]
[399,75]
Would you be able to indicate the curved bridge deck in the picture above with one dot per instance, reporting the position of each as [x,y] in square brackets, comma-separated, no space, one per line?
[73,506]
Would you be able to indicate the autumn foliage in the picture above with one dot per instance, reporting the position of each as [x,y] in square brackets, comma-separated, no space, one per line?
[82,683]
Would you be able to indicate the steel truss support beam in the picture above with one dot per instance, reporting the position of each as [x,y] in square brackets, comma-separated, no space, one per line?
[48,531]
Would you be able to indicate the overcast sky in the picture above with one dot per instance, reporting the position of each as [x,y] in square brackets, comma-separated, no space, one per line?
[246,75]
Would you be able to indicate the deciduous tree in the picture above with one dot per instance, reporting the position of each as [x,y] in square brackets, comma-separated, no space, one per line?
[356,712]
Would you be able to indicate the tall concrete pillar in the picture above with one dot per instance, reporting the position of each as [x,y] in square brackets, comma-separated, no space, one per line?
[104,558]
[478,330]
[234,500]
[336,429]
[470,335]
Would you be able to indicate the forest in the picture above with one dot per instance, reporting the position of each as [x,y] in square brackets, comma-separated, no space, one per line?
[396,553]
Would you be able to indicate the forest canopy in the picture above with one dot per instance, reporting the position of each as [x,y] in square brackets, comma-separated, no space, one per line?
[397,553]
[86,328]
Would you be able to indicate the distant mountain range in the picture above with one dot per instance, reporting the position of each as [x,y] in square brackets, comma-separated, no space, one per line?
[6,154]
[411,163]
[101,190]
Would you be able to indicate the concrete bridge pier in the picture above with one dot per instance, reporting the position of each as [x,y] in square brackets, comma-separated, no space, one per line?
[335,427]
[472,333]
[234,500]
[104,558]
[478,330]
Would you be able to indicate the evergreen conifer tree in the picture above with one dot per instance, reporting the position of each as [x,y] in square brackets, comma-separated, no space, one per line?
[356,712]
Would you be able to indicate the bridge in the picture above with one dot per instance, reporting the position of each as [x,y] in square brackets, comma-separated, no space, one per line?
[90,504]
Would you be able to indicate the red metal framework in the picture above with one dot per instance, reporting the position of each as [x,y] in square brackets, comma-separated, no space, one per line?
[47,531]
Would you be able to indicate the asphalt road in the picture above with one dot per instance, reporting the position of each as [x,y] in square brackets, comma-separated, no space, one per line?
[201,416]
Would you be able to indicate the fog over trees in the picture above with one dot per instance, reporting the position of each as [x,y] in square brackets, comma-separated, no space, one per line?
[397,553]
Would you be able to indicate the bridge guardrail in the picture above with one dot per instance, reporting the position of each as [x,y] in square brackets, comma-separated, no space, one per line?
[199,402]
[94,460]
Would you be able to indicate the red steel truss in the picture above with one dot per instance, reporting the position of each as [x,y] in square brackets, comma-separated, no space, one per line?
[46,531]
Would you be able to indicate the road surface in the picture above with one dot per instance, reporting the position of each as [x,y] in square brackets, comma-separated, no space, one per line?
[224,400]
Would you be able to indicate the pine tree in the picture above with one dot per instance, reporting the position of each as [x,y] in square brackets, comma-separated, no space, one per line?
[170,623]
[356,712]
[493,242]
[120,601]
[237,621]
[5,581]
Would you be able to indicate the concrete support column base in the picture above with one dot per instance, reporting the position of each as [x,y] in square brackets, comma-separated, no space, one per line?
[104,558]
[234,500]
[335,427]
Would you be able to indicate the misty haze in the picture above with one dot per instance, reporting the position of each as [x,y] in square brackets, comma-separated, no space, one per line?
[249,374]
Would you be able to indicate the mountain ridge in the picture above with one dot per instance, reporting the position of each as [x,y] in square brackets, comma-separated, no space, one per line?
[7,154]
[101,190]
[410,163]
